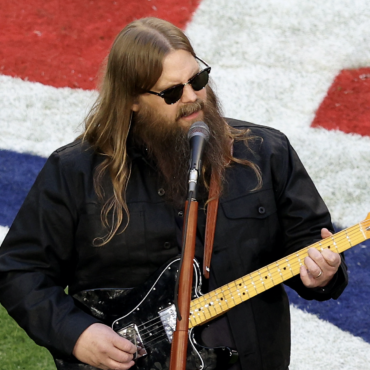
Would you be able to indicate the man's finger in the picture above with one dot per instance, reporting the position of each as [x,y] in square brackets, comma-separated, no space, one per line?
[331,258]
[120,355]
[124,345]
[306,278]
[325,233]
[313,268]
[116,365]
[316,257]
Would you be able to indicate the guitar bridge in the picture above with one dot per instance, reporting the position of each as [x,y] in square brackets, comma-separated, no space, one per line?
[131,333]
[168,318]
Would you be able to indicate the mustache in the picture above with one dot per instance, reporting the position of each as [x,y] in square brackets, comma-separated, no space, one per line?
[186,110]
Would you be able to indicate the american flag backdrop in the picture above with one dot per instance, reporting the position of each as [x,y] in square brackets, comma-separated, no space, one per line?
[301,66]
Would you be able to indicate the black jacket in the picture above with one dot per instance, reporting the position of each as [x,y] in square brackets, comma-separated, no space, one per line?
[50,244]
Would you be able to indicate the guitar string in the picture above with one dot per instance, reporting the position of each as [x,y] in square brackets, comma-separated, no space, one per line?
[160,334]
[258,287]
[152,337]
[147,330]
[155,335]
[257,283]
[158,318]
[345,236]
[139,326]
[153,344]
[149,333]
[232,290]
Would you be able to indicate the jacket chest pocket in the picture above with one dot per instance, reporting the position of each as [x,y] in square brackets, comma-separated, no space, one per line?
[257,206]
[248,227]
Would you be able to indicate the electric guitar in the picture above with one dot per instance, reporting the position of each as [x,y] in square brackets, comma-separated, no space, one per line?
[147,316]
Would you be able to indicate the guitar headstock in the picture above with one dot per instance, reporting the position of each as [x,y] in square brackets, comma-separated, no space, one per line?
[365,226]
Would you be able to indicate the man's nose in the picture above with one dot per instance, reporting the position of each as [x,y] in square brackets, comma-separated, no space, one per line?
[188,94]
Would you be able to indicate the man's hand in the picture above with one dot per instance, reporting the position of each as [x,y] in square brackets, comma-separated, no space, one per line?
[320,266]
[102,347]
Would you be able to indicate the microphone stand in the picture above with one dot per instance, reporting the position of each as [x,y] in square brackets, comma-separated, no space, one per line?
[180,335]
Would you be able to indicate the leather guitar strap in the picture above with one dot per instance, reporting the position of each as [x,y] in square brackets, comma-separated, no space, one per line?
[212,207]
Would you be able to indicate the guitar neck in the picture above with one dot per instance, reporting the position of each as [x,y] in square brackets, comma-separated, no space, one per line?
[218,301]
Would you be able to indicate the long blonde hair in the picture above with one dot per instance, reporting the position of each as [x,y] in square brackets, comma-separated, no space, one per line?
[134,64]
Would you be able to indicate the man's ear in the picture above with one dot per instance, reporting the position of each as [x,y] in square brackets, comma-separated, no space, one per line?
[135,105]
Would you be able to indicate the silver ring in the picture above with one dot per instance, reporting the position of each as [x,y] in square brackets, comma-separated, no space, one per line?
[319,275]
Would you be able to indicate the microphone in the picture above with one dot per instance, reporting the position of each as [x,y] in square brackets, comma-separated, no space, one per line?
[198,135]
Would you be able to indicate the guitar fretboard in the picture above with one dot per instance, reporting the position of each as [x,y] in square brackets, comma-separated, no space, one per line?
[228,296]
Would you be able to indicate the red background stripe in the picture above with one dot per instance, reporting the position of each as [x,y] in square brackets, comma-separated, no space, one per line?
[63,42]
[346,106]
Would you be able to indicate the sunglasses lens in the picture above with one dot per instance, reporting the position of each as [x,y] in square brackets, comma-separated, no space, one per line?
[173,94]
[200,80]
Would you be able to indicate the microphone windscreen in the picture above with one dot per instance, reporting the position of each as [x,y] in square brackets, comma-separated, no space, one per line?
[199,129]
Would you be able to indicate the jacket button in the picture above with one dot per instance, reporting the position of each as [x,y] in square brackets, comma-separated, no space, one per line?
[262,210]
[161,192]
[167,245]
[180,214]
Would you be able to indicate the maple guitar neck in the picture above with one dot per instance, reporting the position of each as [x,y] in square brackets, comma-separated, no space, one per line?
[222,299]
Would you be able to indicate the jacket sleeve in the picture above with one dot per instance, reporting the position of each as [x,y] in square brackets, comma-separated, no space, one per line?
[302,215]
[37,260]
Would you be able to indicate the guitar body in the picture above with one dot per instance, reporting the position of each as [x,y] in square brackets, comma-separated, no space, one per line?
[146,316]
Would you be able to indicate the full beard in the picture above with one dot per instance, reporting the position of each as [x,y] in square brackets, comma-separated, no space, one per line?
[168,147]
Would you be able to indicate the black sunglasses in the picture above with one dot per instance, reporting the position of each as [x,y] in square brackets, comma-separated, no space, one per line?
[197,82]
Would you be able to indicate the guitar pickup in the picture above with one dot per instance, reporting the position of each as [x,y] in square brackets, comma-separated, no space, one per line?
[131,333]
[168,318]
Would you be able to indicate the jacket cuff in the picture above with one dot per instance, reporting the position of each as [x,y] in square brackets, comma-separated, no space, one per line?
[335,287]
[73,329]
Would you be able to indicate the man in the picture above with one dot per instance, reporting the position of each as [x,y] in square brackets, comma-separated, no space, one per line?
[106,211]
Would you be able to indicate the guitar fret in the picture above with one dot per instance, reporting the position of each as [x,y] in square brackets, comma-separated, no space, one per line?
[349,239]
[279,271]
[356,240]
[299,259]
[216,307]
[252,286]
[334,244]
[363,233]
[234,293]
[196,310]
[207,304]
[240,289]
[270,275]
[213,307]
[288,264]
[194,321]
[258,282]
[221,299]
[260,279]
[204,307]
[266,280]
[198,313]
[230,298]
[246,291]
[286,271]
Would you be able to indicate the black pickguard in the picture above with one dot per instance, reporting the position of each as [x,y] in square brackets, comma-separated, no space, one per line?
[141,307]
